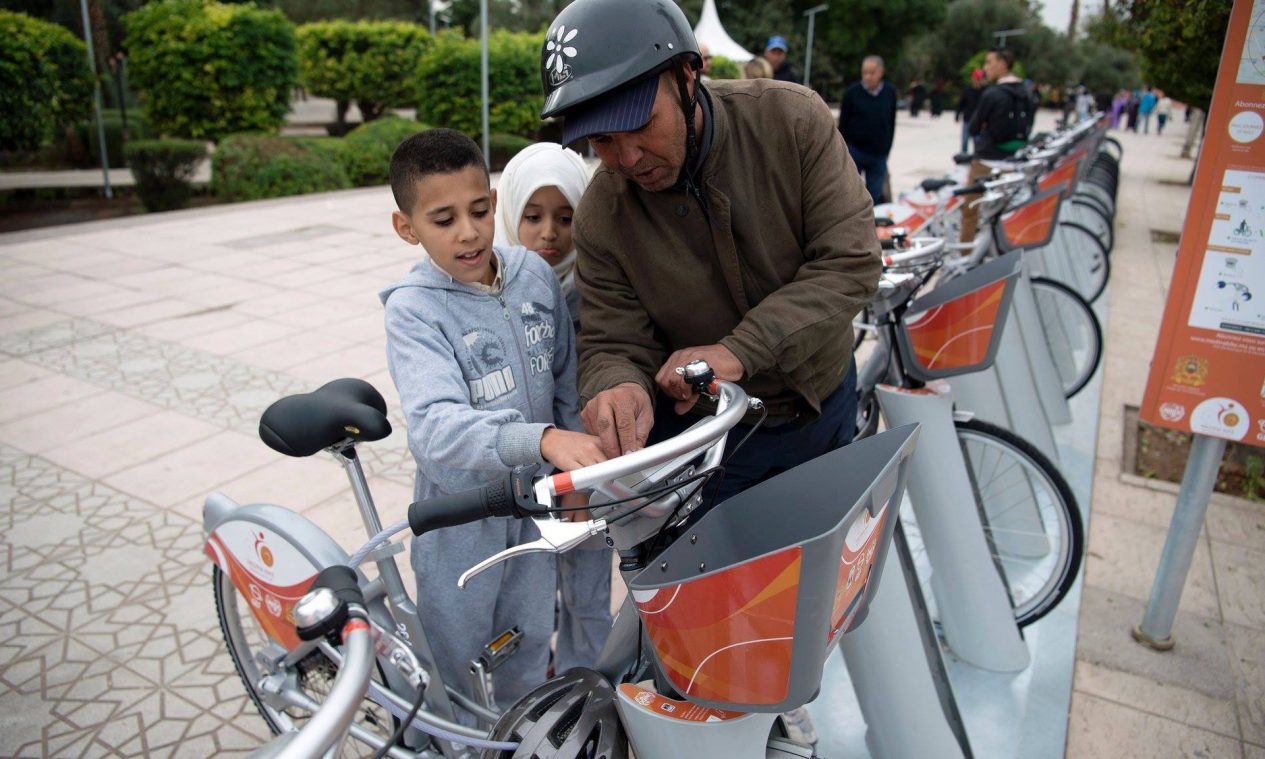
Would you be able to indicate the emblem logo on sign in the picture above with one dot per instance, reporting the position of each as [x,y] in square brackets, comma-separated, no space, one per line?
[1191,370]
[1172,412]
[559,49]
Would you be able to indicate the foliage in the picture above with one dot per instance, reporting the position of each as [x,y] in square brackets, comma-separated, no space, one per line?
[1106,68]
[164,171]
[723,68]
[112,122]
[503,147]
[45,82]
[367,62]
[365,152]
[1179,42]
[449,92]
[206,69]
[254,166]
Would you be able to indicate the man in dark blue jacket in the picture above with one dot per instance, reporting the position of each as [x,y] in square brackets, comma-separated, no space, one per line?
[867,121]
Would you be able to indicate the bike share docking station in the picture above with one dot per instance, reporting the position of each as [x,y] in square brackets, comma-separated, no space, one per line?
[985,688]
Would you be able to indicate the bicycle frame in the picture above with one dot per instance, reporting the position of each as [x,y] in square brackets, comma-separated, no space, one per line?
[273,554]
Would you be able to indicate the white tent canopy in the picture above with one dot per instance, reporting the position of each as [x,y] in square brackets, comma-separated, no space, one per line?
[710,32]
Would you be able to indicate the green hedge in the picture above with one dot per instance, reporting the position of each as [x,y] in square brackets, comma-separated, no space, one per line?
[449,90]
[724,68]
[163,170]
[366,62]
[45,82]
[503,147]
[255,166]
[206,69]
[366,151]
[112,119]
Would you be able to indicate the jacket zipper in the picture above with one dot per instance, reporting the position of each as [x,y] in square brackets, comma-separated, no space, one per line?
[531,405]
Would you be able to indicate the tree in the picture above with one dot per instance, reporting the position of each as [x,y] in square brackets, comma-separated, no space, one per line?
[1179,42]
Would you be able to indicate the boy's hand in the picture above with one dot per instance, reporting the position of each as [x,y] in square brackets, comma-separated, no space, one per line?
[621,417]
[570,450]
[572,501]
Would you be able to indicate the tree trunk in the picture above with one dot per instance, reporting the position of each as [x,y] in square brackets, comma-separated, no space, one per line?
[100,36]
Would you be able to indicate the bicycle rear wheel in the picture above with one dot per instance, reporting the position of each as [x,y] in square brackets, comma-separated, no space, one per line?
[249,646]
[1030,517]
[1072,332]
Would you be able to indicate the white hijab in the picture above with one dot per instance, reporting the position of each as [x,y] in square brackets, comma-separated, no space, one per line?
[544,164]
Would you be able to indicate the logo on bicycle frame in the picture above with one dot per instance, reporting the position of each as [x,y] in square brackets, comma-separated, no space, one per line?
[263,551]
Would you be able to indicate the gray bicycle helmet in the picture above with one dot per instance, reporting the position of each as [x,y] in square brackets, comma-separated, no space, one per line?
[599,47]
[572,716]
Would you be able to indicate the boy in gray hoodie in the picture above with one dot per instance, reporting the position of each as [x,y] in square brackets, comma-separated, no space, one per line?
[481,348]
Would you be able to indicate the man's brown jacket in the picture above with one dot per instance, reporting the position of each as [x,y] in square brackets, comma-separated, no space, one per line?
[773,264]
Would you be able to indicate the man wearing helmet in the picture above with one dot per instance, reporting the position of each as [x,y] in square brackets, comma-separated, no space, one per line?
[728,223]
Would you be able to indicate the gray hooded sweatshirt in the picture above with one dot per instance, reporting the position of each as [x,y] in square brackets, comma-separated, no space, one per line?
[481,375]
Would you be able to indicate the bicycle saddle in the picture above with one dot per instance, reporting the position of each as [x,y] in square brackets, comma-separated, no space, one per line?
[934,183]
[961,159]
[301,425]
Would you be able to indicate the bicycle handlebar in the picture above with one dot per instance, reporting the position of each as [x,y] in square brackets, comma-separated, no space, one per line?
[921,248]
[509,496]
[516,495]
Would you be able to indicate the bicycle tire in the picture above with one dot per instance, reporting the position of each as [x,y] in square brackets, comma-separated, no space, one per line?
[1072,332]
[1000,487]
[234,617]
[1094,209]
[1086,255]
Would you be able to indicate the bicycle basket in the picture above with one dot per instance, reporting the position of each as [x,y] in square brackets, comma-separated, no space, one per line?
[956,328]
[1033,224]
[742,610]
[1065,173]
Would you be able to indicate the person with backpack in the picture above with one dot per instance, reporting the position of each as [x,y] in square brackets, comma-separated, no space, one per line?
[1000,125]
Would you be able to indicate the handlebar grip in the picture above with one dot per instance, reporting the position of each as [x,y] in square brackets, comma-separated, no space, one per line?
[971,189]
[888,244]
[509,496]
[458,508]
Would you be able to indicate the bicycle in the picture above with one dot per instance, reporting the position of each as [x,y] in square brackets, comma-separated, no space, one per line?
[706,689]
[1029,516]
[1072,330]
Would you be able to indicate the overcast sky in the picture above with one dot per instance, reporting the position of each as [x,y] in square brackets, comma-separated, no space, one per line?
[1058,13]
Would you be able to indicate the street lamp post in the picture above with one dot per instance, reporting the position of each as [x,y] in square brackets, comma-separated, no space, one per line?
[96,97]
[1003,34]
[483,76]
[811,13]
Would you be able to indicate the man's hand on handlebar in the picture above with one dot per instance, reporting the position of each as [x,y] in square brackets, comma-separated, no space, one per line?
[722,360]
[621,417]
[570,450]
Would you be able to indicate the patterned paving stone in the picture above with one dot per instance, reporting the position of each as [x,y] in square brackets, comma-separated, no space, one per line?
[222,391]
[110,640]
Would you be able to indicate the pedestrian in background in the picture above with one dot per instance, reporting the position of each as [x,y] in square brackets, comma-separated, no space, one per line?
[775,53]
[967,104]
[867,121]
[1163,111]
[1146,106]
[757,68]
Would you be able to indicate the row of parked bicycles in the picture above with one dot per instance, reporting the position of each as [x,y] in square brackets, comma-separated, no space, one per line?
[731,617]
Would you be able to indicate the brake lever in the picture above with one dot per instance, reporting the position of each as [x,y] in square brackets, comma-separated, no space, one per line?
[556,536]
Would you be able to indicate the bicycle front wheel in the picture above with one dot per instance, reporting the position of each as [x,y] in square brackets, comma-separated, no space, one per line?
[1029,515]
[250,647]
[1071,331]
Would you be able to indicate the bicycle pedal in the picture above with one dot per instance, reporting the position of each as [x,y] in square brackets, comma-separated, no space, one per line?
[500,649]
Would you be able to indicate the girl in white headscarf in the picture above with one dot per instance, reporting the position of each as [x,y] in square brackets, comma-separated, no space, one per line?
[536,199]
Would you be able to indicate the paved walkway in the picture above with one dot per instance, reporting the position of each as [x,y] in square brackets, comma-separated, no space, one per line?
[137,354]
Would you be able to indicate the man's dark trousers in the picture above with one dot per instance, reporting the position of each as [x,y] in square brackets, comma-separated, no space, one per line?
[875,170]
[772,450]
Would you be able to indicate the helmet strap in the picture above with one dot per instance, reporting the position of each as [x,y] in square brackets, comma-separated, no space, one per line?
[688,105]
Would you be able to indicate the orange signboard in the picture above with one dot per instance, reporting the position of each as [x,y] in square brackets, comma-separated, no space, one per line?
[1208,372]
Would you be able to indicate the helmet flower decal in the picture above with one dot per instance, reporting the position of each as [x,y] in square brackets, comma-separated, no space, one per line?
[558,49]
